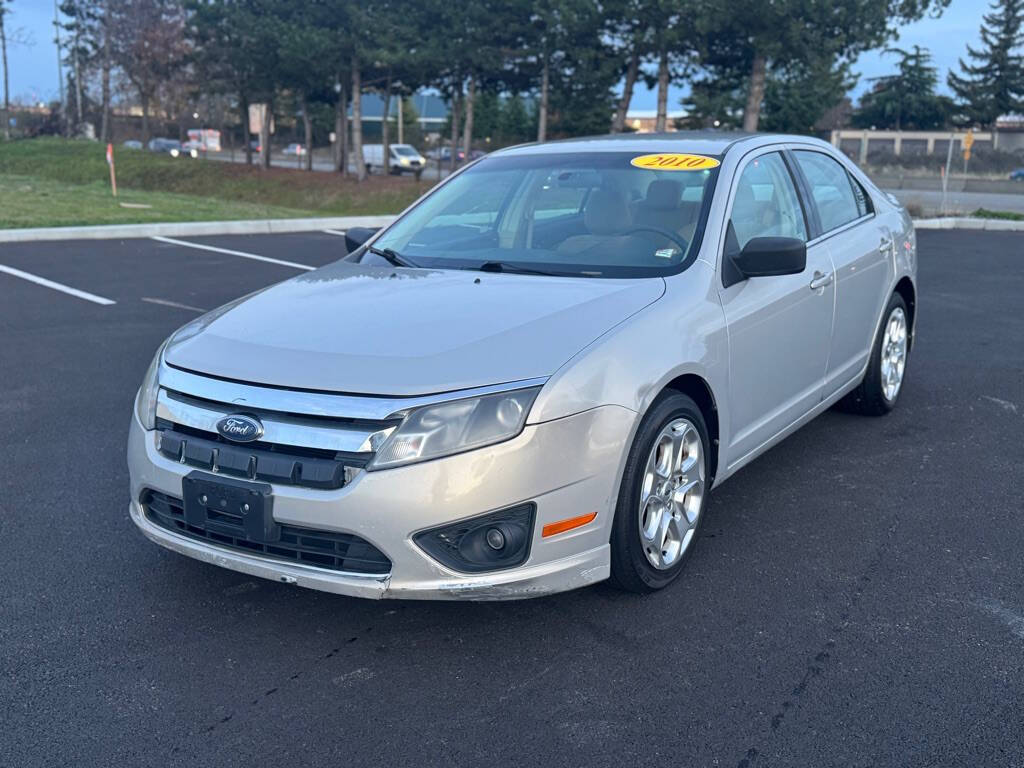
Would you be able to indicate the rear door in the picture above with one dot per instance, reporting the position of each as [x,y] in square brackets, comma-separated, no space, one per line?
[779,327]
[861,250]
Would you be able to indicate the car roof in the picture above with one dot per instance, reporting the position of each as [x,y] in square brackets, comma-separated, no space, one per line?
[698,142]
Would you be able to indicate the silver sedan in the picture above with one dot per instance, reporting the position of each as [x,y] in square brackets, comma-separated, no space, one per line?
[533,378]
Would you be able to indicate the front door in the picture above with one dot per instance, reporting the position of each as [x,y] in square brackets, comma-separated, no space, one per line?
[780,328]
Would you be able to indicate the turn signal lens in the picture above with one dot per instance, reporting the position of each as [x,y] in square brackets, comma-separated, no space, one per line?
[553,529]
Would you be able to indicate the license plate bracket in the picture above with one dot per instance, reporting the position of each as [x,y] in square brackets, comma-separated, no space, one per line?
[230,507]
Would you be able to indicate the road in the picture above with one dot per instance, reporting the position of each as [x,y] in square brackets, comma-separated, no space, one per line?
[930,202]
[321,162]
[857,598]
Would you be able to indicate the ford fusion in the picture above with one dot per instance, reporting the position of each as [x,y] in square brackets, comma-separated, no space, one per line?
[532,379]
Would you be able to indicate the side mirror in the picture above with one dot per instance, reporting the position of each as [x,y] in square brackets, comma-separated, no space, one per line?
[355,237]
[772,256]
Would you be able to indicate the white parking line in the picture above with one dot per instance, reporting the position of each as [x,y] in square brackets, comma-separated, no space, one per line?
[229,252]
[176,305]
[339,232]
[56,286]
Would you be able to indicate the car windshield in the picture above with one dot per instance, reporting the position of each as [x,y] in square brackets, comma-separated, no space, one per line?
[594,215]
[405,150]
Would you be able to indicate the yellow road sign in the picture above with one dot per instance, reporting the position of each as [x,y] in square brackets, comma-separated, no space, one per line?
[968,141]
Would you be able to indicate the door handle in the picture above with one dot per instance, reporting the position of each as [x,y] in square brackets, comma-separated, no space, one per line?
[821,280]
[885,246]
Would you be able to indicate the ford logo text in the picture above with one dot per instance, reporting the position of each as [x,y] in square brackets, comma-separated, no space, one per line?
[240,429]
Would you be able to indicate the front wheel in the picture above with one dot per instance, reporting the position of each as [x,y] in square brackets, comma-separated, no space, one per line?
[879,390]
[661,500]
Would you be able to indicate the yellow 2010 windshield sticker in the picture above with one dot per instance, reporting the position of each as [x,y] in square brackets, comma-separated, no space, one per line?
[673,161]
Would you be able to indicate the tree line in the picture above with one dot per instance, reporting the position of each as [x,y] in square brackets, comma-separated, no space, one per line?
[753,64]
[989,84]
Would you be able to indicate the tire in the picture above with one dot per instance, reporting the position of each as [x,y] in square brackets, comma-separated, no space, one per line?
[637,509]
[873,396]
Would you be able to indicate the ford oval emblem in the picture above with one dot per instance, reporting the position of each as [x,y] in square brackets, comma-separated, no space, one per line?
[240,428]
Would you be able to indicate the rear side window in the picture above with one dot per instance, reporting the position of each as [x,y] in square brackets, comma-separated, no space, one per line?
[864,206]
[832,190]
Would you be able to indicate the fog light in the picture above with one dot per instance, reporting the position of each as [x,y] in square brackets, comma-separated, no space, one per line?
[487,543]
[495,538]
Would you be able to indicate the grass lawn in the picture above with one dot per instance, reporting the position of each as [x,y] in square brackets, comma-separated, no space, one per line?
[984,213]
[55,182]
[27,201]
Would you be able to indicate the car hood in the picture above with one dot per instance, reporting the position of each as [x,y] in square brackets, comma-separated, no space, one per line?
[385,331]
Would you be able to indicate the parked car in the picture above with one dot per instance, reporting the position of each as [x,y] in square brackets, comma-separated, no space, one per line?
[294,149]
[132,144]
[192,148]
[444,154]
[1017,175]
[572,344]
[403,158]
[170,147]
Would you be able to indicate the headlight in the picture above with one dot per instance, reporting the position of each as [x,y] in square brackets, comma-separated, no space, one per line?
[175,152]
[194,153]
[460,425]
[145,400]
[404,161]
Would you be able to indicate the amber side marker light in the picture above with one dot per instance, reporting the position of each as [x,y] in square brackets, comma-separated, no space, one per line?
[553,529]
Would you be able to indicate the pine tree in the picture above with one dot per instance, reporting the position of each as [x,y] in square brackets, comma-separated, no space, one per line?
[906,100]
[993,84]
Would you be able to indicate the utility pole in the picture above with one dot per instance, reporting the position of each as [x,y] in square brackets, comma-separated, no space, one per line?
[78,79]
[60,63]
[3,63]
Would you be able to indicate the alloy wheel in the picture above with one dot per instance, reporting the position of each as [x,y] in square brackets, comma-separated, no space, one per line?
[672,493]
[894,353]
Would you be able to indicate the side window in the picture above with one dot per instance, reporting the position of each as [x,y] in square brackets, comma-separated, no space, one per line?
[478,206]
[556,201]
[766,203]
[832,190]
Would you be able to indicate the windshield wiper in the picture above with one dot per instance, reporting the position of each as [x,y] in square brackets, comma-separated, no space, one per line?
[391,256]
[504,266]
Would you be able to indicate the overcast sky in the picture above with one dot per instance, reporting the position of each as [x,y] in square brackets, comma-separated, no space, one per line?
[34,68]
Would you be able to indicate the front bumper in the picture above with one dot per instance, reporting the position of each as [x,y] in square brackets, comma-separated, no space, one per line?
[568,467]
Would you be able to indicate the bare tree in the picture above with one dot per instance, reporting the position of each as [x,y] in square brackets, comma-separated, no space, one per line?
[149,47]
[9,37]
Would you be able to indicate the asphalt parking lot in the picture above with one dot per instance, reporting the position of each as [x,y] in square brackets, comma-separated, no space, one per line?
[857,598]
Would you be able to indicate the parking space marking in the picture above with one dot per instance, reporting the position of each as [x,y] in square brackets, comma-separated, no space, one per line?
[57,286]
[229,252]
[338,232]
[175,304]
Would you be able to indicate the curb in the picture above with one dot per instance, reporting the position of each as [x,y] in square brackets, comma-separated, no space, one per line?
[191,228]
[992,225]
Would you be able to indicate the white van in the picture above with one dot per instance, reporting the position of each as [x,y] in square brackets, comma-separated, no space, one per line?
[404,159]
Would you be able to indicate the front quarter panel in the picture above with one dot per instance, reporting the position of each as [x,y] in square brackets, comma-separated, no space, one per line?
[681,333]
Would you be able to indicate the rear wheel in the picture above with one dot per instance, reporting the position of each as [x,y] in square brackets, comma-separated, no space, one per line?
[879,390]
[661,500]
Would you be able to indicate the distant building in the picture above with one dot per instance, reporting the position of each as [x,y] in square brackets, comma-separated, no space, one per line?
[431,110]
[644,120]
